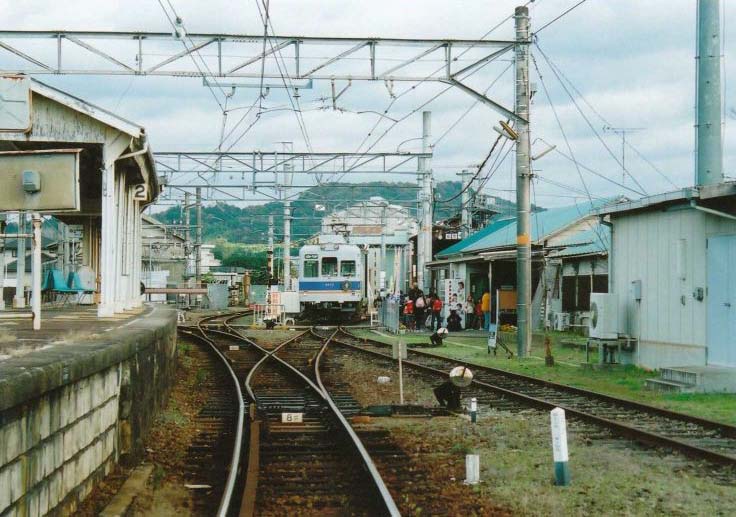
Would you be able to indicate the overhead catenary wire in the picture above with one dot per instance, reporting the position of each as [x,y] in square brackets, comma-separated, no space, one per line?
[560,16]
[606,122]
[587,121]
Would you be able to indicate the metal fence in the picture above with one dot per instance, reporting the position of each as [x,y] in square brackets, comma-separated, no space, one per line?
[389,314]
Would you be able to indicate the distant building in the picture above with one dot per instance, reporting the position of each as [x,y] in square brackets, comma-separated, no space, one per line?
[163,255]
[673,269]
[369,224]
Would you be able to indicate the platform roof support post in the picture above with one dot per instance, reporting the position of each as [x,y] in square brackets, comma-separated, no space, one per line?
[108,238]
[109,234]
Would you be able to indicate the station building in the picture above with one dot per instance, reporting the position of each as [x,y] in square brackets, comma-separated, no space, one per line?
[116,179]
[569,261]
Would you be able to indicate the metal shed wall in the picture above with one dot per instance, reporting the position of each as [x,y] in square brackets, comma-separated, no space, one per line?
[669,321]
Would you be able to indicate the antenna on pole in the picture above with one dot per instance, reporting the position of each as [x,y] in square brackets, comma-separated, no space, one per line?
[622,132]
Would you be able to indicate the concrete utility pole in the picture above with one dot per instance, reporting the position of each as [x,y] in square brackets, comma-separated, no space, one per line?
[708,123]
[187,233]
[382,274]
[466,221]
[523,178]
[269,263]
[288,147]
[19,302]
[198,244]
[424,239]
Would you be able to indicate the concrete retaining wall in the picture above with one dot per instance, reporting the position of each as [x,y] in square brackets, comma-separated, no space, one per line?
[69,412]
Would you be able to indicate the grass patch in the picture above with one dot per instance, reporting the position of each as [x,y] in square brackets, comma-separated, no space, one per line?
[626,381]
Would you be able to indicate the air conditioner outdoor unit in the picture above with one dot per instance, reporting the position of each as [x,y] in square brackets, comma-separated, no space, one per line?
[561,321]
[603,322]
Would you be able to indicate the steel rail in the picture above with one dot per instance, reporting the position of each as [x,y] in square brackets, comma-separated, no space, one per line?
[617,427]
[727,430]
[386,497]
[235,459]
[388,500]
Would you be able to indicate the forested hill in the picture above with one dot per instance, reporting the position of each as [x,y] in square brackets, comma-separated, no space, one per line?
[249,225]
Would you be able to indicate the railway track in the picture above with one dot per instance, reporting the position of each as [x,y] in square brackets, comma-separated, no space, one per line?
[213,457]
[695,437]
[316,466]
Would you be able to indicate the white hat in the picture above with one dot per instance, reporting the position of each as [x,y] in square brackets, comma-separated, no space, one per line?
[442,331]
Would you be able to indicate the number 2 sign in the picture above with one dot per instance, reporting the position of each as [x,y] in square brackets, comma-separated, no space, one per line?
[140,192]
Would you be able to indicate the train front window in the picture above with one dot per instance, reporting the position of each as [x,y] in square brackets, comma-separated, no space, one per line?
[311,268]
[347,268]
[329,266]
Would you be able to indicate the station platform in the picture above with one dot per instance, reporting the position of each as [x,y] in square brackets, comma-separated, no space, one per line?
[59,326]
[76,397]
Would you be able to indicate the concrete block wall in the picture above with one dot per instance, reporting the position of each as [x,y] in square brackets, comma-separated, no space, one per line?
[68,413]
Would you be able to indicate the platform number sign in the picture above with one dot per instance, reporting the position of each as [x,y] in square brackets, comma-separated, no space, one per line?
[140,192]
[292,418]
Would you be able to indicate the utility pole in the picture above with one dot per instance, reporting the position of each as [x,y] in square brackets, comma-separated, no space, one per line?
[287,147]
[198,244]
[424,238]
[523,180]
[466,221]
[708,123]
[19,302]
[187,234]
[269,263]
[382,274]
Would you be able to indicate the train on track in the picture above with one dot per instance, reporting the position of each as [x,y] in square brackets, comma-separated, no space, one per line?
[331,280]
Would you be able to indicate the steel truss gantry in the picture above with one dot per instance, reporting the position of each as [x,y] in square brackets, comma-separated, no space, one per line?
[239,56]
[238,175]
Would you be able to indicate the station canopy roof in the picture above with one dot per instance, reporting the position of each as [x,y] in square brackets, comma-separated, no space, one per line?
[501,231]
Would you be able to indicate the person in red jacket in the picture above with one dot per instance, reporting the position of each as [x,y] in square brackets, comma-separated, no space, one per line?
[409,314]
[436,313]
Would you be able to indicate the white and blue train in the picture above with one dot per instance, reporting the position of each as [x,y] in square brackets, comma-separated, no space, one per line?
[330,280]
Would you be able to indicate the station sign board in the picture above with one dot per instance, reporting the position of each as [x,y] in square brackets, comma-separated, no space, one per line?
[40,181]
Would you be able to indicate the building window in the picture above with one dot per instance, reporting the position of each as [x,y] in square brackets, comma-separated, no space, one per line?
[311,268]
[329,266]
[568,293]
[347,268]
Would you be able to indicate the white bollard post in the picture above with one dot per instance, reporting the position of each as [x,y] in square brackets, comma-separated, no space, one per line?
[559,446]
[472,469]
[473,410]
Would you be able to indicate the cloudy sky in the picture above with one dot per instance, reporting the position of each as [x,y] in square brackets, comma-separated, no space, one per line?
[630,64]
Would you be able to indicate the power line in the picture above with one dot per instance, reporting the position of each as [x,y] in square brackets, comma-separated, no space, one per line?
[564,13]
[587,121]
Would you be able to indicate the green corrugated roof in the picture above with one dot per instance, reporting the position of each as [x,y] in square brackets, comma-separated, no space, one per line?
[502,232]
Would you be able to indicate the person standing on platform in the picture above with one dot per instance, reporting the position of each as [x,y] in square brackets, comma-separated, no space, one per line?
[420,306]
[436,313]
[485,307]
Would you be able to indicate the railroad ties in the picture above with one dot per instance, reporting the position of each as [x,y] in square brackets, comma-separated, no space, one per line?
[695,437]
[301,454]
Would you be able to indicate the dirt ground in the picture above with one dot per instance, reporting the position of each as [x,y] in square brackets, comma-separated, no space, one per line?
[166,449]
[609,476]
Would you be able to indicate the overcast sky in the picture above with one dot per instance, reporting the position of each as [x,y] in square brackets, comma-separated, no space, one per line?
[632,61]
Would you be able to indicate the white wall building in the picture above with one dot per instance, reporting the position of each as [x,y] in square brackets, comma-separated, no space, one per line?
[673,269]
